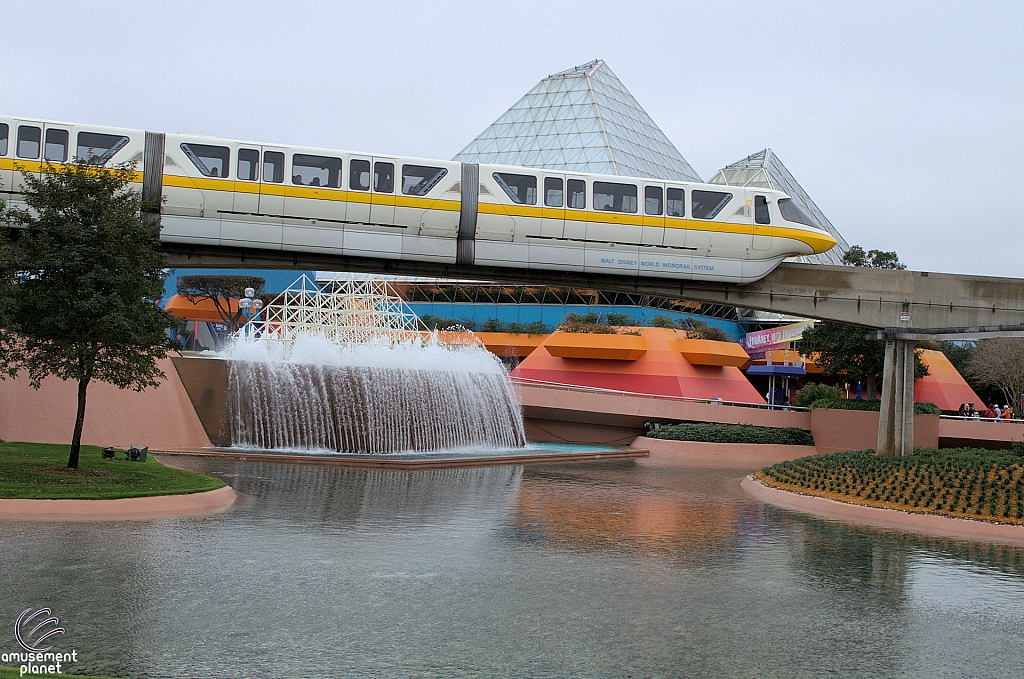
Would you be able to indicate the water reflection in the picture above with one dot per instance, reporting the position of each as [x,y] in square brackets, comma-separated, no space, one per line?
[576,506]
[334,497]
[574,569]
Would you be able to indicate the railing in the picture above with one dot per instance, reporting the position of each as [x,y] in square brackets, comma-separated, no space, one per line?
[522,381]
[981,419]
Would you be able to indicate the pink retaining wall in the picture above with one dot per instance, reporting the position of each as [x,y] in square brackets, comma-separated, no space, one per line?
[742,456]
[984,433]
[162,418]
[622,410]
[838,430]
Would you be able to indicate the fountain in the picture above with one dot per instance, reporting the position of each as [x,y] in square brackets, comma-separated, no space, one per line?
[345,369]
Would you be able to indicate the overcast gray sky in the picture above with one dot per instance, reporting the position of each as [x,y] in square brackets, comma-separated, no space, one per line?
[903,120]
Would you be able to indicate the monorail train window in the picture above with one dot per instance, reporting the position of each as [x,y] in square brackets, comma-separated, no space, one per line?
[761,214]
[248,165]
[417,180]
[273,167]
[652,200]
[29,138]
[99,148]
[614,197]
[212,161]
[56,147]
[316,171]
[674,202]
[5,132]
[522,188]
[553,191]
[577,193]
[792,212]
[359,175]
[384,177]
[707,204]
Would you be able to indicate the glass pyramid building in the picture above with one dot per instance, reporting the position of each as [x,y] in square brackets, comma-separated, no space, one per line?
[581,120]
[764,170]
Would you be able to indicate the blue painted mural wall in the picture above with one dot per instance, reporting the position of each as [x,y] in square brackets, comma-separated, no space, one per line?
[552,315]
[277,281]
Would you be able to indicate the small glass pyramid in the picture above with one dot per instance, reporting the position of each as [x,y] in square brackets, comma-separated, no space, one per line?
[580,120]
[764,170]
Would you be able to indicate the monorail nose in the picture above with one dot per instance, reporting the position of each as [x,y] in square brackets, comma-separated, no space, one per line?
[820,242]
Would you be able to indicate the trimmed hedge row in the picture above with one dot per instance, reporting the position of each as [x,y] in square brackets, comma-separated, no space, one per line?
[972,482]
[732,433]
[849,404]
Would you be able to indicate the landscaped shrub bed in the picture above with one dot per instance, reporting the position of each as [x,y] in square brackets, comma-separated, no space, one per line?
[732,433]
[962,482]
[829,397]
[852,404]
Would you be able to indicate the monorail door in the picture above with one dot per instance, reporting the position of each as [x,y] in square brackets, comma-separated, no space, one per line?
[382,205]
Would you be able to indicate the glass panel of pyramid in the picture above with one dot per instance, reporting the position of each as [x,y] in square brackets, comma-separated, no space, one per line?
[764,170]
[581,120]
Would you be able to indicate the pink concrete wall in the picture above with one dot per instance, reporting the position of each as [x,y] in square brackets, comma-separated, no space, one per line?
[838,430]
[624,410]
[745,456]
[956,433]
[161,418]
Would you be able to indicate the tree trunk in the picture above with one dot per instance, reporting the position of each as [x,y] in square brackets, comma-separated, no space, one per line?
[870,388]
[76,438]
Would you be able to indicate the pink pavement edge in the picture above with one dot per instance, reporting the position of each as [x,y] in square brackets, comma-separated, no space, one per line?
[124,509]
[927,524]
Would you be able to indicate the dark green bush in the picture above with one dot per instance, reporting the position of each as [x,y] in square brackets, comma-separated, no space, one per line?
[825,396]
[587,323]
[813,391]
[444,323]
[732,433]
[851,404]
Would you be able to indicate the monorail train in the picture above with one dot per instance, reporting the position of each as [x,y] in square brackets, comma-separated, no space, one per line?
[279,197]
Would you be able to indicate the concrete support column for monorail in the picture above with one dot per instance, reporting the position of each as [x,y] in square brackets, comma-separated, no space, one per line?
[896,419]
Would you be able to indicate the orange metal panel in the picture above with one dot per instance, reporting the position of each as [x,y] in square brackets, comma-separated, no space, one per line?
[509,343]
[605,347]
[709,352]
[203,310]
[943,385]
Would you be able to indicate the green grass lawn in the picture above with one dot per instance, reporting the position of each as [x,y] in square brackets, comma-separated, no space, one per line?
[39,471]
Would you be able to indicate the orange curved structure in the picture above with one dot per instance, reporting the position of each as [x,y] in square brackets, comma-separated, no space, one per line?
[943,385]
[603,347]
[509,343]
[619,364]
[710,352]
[203,310]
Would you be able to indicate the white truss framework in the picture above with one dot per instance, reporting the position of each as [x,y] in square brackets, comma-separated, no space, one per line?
[353,310]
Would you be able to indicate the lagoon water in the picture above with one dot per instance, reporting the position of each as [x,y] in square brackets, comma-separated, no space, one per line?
[603,569]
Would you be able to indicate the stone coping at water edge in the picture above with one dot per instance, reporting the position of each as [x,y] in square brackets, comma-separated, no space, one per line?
[423,461]
[124,509]
[910,522]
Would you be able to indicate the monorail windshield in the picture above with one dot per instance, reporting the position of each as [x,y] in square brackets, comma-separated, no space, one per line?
[792,212]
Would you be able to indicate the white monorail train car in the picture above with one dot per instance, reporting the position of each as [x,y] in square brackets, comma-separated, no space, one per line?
[278,197]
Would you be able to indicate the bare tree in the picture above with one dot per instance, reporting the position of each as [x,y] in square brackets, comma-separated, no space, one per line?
[222,290]
[999,363]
